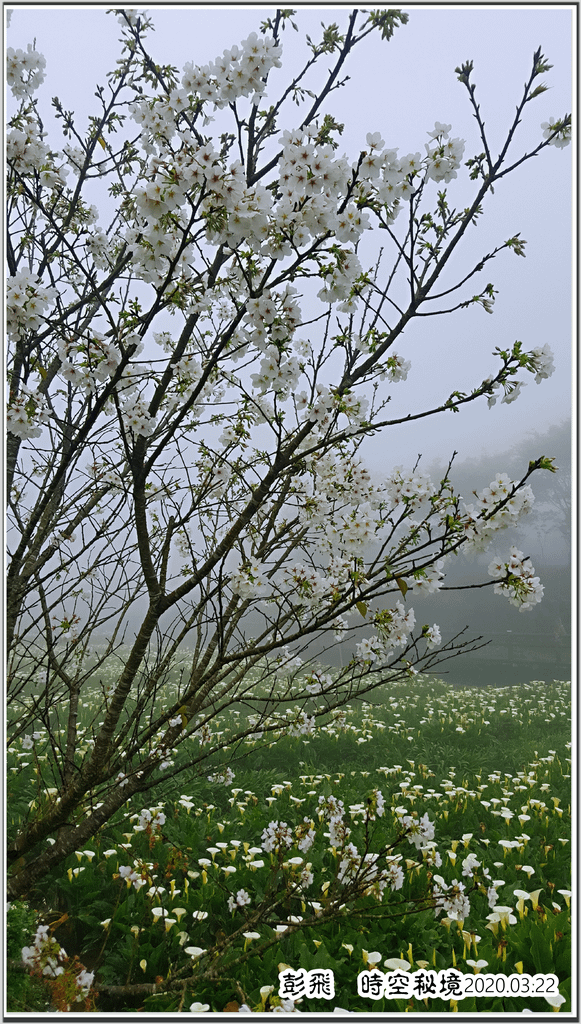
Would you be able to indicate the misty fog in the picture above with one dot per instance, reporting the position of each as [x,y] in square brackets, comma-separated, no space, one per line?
[516,646]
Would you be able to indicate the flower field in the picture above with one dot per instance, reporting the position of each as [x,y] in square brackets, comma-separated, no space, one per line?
[427,830]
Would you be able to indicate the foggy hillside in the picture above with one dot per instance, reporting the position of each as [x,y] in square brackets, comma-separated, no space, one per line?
[519,645]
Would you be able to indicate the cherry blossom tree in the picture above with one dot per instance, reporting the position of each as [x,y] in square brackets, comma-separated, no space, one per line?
[192,374]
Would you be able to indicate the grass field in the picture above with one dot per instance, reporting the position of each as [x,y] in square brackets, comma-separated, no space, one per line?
[154,900]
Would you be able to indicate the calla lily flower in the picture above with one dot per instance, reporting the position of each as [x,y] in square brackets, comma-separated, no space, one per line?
[395,964]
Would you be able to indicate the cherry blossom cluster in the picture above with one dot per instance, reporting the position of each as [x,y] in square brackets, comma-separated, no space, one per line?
[186,386]
[480,528]
[230,211]
[320,410]
[349,533]
[225,777]
[394,626]
[285,663]
[418,830]
[420,833]
[444,155]
[395,368]
[53,177]
[388,175]
[307,168]
[84,981]
[345,477]
[157,120]
[453,899]
[305,875]
[277,836]
[469,865]
[131,15]
[408,488]
[311,178]
[203,734]
[350,863]
[154,247]
[517,580]
[132,877]
[240,71]
[136,417]
[312,184]
[312,589]
[561,135]
[332,810]
[365,873]
[394,873]
[316,681]
[277,373]
[242,899]
[432,635]
[248,581]
[311,181]
[105,473]
[99,248]
[392,177]
[323,408]
[163,753]
[152,818]
[45,954]
[305,835]
[270,320]
[366,870]
[539,360]
[27,414]
[26,300]
[355,407]
[98,361]
[25,150]
[542,361]
[378,801]
[302,725]
[341,273]
[428,581]
[24,70]
[340,535]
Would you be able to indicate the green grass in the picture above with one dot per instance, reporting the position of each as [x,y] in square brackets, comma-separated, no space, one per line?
[458,755]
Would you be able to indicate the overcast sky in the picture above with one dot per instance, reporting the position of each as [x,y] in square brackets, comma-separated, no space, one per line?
[401,88]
